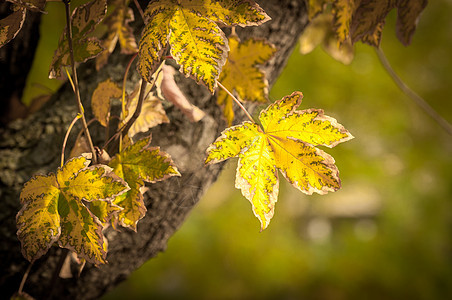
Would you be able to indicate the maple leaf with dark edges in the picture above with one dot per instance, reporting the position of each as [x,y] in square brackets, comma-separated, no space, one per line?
[286,141]
[190,28]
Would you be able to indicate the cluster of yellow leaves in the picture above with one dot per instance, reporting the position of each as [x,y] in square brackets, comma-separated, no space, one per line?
[191,30]
[73,206]
[54,210]
[363,20]
[286,141]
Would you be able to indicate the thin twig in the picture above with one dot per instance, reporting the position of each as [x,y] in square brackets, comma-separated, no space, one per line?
[74,73]
[140,10]
[24,279]
[411,94]
[67,136]
[236,101]
[123,106]
[137,109]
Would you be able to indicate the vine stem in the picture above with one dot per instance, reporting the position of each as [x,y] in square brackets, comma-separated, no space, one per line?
[67,136]
[24,279]
[123,102]
[411,94]
[75,79]
[236,101]
[137,112]
[140,10]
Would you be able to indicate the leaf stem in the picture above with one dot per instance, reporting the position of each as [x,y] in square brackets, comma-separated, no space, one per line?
[123,101]
[137,109]
[67,136]
[236,101]
[140,10]
[411,94]
[74,73]
[24,279]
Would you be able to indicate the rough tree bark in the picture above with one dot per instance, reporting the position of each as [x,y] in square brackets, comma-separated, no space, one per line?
[33,145]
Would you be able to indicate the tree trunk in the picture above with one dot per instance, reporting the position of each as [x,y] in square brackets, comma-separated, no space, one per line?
[33,146]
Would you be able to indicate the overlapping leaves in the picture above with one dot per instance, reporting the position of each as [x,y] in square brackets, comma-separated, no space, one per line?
[136,164]
[364,20]
[152,112]
[54,210]
[190,29]
[241,74]
[84,20]
[286,141]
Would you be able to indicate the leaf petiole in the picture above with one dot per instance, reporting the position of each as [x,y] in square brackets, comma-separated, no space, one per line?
[74,73]
[236,101]
[123,101]
[67,136]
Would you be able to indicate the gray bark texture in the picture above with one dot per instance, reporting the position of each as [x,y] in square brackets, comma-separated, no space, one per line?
[33,145]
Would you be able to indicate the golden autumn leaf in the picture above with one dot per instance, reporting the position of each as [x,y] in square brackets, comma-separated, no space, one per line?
[190,28]
[100,100]
[53,210]
[137,164]
[364,20]
[152,112]
[241,74]
[118,30]
[287,142]
[320,32]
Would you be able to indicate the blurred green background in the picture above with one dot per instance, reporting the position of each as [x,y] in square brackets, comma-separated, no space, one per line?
[387,234]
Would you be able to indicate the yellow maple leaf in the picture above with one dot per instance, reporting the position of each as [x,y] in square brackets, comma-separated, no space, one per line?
[100,100]
[286,141]
[53,210]
[241,74]
[152,112]
[190,28]
[136,164]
